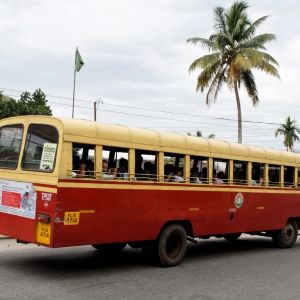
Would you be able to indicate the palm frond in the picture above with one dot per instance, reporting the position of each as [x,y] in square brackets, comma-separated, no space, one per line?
[205,77]
[215,86]
[234,13]
[250,31]
[242,63]
[205,61]
[239,28]
[247,79]
[220,21]
[204,43]
[269,58]
[254,56]
[268,68]
[258,42]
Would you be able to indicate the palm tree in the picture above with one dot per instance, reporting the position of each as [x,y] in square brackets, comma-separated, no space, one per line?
[199,134]
[235,52]
[289,130]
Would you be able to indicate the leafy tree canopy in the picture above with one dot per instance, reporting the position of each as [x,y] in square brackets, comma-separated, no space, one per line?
[290,132]
[235,51]
[199,134]
[35,104]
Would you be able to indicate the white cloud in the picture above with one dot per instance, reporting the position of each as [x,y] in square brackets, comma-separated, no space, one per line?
[136,55]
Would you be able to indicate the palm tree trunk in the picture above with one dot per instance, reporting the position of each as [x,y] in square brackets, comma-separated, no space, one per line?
[238,104]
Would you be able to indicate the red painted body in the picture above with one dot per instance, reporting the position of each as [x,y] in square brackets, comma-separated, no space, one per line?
[137,211]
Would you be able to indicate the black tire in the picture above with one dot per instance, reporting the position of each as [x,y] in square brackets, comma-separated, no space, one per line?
[110,248]
[286,237]
[232,237]
[172,245]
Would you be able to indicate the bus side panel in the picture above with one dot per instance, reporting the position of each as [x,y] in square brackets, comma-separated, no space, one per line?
[122,212]
[207,210]
[106,215]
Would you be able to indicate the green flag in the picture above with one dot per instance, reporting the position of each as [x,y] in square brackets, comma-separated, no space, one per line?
[78,61]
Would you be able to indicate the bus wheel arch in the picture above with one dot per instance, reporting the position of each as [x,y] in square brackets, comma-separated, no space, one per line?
[286,237]
[172,244]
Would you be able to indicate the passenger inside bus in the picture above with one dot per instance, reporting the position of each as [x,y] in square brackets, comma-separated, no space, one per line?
[81,173]
[108,173]
[169,171]
[203,175]
[123,168]
[215,177]
[177,177]
[139,171]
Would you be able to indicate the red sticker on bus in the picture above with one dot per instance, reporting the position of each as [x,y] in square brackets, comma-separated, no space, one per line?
[11,199]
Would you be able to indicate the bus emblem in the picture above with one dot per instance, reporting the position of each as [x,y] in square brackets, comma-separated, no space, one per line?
[239,199]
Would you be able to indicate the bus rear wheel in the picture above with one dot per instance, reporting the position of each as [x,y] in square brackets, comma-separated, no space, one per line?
[172,245]
[110,248]
[286,237]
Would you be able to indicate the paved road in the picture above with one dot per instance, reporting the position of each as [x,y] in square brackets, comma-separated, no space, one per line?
[212,269]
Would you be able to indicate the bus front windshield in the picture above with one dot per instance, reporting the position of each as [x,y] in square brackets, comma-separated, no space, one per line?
[40,148]
[10,144]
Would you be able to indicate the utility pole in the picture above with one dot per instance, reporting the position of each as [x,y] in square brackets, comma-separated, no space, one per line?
[96,107]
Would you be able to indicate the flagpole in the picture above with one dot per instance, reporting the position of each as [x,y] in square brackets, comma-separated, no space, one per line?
[74,83]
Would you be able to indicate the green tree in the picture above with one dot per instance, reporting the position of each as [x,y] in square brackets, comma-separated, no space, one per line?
[199,134]
[35,104]
[235,51]
[289,130]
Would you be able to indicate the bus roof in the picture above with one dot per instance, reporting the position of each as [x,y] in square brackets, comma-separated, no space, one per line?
[161,141]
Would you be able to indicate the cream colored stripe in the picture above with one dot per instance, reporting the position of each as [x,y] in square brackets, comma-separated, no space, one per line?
[87,211]
[193,208]
[46,189]
[260,207]
[176,187]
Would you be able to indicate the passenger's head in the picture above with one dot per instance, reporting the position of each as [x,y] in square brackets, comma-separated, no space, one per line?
[123,163]
[104,166]
[203,173]
[221,175]
[169,168]
[179,171]
[82,162]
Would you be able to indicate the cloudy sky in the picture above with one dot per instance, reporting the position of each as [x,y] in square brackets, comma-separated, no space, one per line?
[137,59]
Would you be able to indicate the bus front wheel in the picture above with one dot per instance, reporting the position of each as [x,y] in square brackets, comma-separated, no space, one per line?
[110,248]
[286,237]
[172,245]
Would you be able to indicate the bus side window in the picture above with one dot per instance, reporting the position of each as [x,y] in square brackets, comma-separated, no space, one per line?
[220,171]
[257,174]
[115,163]
[274,175]
[145,165]
[83,155]
[240,172]
[289,176]
[173,169]
[198,169]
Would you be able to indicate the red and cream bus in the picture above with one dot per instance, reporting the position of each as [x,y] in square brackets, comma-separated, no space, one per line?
[41,203]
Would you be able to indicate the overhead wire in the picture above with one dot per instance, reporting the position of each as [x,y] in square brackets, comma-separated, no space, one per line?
[146,109]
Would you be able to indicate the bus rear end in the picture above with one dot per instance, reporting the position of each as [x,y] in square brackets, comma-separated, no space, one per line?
[28,154]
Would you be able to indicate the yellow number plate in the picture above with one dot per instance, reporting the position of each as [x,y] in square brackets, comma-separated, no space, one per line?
[43,233]
[71,218]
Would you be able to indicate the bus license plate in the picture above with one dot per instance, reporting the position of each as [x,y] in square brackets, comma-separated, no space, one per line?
[43,233]
[71,218]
